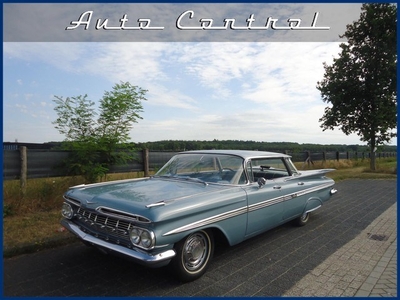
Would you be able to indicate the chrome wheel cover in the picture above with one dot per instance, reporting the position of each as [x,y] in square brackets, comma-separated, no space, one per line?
[304,217]
[196,252]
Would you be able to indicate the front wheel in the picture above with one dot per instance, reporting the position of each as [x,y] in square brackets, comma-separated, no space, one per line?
[303,219]
[193,255]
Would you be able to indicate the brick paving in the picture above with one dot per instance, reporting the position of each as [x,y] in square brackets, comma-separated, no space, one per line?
[366,266]
[382,282]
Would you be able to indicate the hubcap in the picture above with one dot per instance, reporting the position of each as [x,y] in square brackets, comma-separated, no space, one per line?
[195,252]
[304,217]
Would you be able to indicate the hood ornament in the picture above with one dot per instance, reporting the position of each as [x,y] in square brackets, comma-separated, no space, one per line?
[161,203]
[90,202]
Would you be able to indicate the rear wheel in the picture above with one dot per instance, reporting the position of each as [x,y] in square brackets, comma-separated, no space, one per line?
[193,255]
[303,219]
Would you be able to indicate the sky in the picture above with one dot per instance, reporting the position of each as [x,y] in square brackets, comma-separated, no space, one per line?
[260,91]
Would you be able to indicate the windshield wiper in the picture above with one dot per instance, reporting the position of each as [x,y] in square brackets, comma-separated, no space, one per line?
[188,178]
[195,179]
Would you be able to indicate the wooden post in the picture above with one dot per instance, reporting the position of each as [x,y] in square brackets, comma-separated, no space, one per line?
[308,159]
[24,168]
[146,162]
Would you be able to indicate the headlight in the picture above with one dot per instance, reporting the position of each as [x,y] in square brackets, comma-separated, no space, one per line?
[146,239]
[142,238]
[67,211]
[135,236]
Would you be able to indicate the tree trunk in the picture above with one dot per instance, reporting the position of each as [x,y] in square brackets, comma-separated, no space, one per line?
[373,161]
[372,155]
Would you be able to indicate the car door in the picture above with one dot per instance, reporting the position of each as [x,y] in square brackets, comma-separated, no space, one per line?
[265,202]
[295,188]
[295,201]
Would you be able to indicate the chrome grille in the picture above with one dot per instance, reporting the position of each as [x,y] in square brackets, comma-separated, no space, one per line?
[104,227]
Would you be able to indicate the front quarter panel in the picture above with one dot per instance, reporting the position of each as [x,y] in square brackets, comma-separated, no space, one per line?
[224,210]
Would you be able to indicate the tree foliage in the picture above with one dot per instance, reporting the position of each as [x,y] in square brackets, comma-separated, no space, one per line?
[95,138]
[360,85]
[186,145]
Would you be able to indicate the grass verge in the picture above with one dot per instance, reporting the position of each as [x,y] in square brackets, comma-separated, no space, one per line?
[31,222]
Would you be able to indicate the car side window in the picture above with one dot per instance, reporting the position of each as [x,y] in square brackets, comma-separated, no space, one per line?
[268,168]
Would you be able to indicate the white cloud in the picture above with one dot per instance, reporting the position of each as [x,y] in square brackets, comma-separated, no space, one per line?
[245,91]
[162,96]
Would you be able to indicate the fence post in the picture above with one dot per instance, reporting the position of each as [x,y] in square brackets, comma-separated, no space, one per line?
[146,162]
[308,158]
[24,168]
[337,155]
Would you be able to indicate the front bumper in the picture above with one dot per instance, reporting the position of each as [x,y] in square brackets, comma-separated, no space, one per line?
[138,256]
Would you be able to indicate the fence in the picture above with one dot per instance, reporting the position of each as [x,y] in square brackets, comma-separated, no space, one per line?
[46,163]
[38,163]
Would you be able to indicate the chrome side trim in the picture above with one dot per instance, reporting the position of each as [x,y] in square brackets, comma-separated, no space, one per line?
[311,210]
[139,256]
[243,210]
[314,189]
[287,197]
[266,203]
[207,221]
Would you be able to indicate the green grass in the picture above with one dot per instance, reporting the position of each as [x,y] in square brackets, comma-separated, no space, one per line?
[31,221]
[386,168]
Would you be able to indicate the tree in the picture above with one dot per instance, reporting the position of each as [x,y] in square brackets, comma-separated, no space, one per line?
[94,143]
[361,83]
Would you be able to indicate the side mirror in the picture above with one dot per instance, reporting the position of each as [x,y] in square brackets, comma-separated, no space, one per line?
[261,182]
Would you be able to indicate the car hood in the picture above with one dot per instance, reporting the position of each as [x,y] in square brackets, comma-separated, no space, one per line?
[128,194]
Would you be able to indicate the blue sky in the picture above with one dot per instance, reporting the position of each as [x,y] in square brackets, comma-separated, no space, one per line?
[196,90]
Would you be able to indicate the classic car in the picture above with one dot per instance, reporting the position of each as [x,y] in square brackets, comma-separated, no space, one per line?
[197,198]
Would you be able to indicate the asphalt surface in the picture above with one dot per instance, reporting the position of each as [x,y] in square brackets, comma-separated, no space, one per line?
[348,248]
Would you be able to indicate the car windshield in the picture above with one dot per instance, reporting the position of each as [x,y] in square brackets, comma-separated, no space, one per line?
[216,168]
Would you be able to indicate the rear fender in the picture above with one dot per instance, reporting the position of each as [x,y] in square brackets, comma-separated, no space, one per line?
[312,204]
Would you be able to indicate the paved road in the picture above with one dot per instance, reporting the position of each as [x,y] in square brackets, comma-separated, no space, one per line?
[273,264]
[365,267]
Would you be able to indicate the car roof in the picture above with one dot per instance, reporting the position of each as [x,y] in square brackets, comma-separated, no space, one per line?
[246,154]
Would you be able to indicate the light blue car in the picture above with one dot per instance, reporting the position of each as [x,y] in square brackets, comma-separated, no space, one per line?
[197,198]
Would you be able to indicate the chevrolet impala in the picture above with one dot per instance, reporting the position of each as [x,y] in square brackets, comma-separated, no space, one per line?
[175,217]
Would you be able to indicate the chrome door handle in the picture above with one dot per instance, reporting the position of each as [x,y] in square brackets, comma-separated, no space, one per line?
[300,183]
[277,187]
